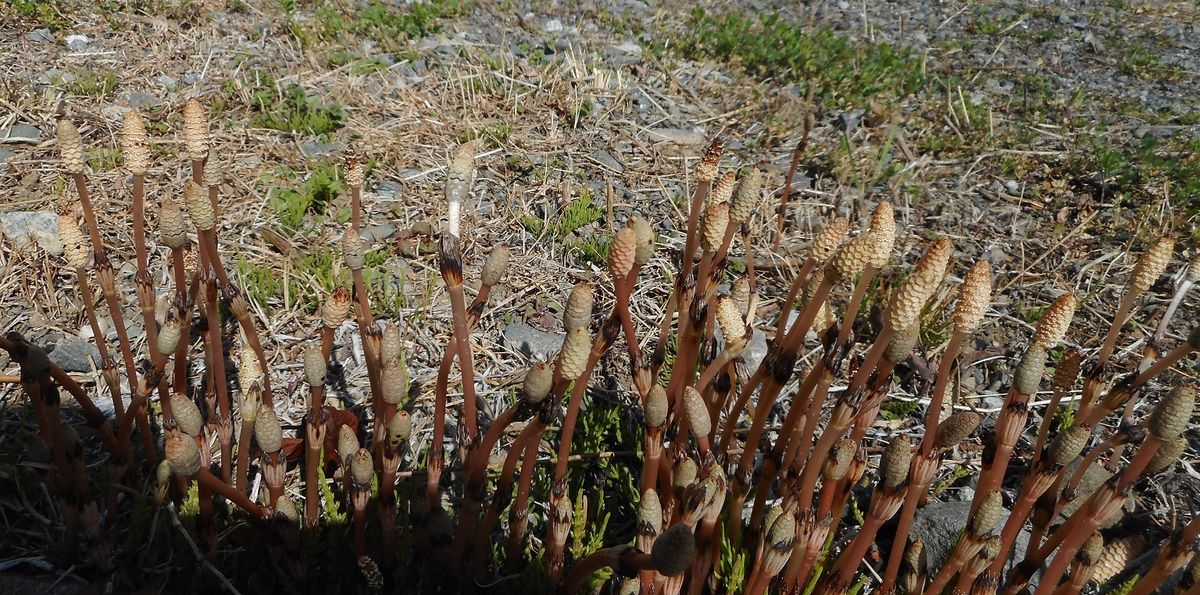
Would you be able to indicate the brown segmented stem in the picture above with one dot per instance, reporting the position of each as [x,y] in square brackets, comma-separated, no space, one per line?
[1011,422]
[599,347]
[215,360]
[85,295]
[925,452]
[801,146]
[1172,556]
[71,149]
[1091,515]
[519,512]
[885,501]
[778,377]
[451,265]
[1072,534]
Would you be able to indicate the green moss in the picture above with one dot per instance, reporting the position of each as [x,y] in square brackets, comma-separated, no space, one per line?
[88,82]
[593,249]
[382,22]
[768,46]
[44,13]
[898,409]
[294,111]
[582,211]
[494,136]
[103,159]
[358,65]
[731,568]
[293,196]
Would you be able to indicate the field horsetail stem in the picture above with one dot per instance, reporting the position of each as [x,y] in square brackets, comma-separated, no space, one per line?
[777,433]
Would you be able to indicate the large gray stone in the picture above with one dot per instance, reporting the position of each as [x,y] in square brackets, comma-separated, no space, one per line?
[41,226]
[137,99]
[21,133]
[939,525]
[40,36]
[72,355]
[532,342]
[318,149]
[679,136]
[607,160]
[5,155]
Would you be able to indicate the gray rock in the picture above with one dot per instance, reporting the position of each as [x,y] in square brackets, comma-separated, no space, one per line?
[77,42]
[756,350]
[21,133]
[532,342]
[40,36]
[388,189]
[165,81]
[1156,132]
[939,525]
[72,355]
[553,26]
[407,72]
[42,226]
[607,160]
[626,53]
[115,113]
[138,99]
[191,78]
[378,233]
[385,59]
[5,155]
[679,136]
[317,149]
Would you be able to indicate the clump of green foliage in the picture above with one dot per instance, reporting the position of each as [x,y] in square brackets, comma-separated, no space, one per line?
[380,22]
[88,82]
[45,13]
[294,195]
[292,110]
[768,46]
[581,212]
[358,65]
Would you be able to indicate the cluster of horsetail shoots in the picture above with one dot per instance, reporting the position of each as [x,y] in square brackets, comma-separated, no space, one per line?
[714,477]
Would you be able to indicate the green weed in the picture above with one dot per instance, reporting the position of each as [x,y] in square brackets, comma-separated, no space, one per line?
[379,21]
[770,47]
[581,212]
[731,568]
[47,14]
[358,65]
[88,82]
[294,111]
[898,409]
[587,534]
[103,159]
[494,135]
[293,197]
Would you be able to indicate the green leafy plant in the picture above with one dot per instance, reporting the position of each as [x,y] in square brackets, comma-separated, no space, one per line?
[293,111]
[768,46]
